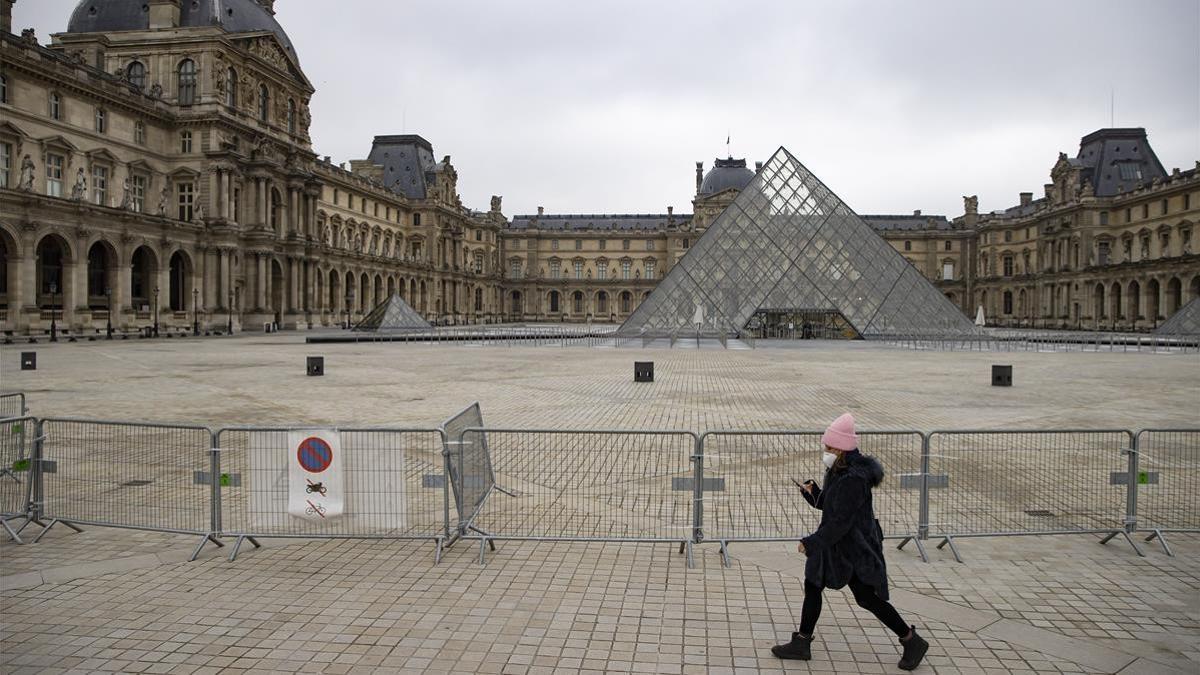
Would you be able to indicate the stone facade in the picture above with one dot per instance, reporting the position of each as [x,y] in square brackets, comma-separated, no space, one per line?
[168,173]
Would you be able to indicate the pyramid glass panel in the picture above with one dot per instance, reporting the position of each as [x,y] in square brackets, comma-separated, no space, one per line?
[1184,322]
[392,314]
[787,242]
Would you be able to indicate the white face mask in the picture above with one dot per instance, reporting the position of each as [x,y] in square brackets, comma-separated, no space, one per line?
[829,458]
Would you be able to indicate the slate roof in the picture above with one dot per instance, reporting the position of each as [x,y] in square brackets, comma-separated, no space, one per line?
[1116,160]
[725,174]
[407,162]
[582,222]
[235,16]
[886,223]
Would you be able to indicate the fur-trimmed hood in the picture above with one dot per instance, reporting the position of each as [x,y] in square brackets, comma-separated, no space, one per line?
[865,467]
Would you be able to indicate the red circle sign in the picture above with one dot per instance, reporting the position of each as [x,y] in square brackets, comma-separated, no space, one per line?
[314,455]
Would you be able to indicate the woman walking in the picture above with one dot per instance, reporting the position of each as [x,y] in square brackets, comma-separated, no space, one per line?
[847,548]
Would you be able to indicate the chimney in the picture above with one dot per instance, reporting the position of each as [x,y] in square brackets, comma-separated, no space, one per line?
[1049,187]
[268,5]
[1027,198]
[670,211]
[541,211]
[917,212]
[6,15]
[164,14]
[758,167]
[699,175]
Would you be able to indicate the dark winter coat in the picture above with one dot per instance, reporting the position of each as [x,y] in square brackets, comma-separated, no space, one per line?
[849,541]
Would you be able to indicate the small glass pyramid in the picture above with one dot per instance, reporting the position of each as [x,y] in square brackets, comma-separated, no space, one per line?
[392,314]
[1184,322]
[788,243]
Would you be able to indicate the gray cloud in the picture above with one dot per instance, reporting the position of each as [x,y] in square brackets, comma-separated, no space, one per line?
[605,107]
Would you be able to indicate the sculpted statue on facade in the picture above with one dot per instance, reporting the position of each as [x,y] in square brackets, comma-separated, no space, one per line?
[971,205]
[198,213]
[156,91]
[79,191]
[127,196]
[28,170]
[162,201]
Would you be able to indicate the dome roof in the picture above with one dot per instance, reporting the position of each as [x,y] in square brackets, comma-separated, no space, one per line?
[725,174]
[236,16]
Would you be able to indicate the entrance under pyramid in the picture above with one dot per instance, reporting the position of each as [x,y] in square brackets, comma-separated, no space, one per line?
[392,314]
[788,247]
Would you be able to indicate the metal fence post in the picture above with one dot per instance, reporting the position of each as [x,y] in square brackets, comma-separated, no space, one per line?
[923,509]
[698,491]
[1132,485]
[37,496]
[446,483]
[214,468]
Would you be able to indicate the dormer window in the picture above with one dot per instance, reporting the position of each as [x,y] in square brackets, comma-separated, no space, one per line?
[1130,170]
[136,74]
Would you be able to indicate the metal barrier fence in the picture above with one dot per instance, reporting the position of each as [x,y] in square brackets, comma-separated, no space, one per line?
[586,485]
[752,483]
[992,483]
[12,405]
[1037,340]
[16,473]
[117,474]
[593,485]
[392,481]
[1166,482]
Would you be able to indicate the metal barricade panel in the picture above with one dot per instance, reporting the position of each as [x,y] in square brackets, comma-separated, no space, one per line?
[469,461]
[588,485]
[126,475]
[393,483]
[1168,480]
[16,465]
[1026,482]
[12,405]
[757,498]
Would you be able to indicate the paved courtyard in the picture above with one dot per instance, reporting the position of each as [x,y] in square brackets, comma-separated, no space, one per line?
[121,600]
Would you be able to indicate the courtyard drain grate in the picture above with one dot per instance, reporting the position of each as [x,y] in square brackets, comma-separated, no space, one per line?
[1040,513]
[135,483]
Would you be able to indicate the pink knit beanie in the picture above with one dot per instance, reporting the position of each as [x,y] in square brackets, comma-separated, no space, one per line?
[841,434]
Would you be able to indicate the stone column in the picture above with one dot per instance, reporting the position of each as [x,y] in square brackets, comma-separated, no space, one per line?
[210,293]
[122,295]
[260,284]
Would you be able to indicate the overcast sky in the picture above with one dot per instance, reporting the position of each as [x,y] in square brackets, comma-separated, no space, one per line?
[604,107]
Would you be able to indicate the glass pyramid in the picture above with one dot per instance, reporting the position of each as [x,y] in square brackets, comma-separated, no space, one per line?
[392,314]
[1184,322]
[788,243]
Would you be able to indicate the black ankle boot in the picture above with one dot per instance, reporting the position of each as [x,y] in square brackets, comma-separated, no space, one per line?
[914,650]
[799,648]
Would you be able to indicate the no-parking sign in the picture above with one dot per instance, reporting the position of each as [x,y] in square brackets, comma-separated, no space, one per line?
[315,486]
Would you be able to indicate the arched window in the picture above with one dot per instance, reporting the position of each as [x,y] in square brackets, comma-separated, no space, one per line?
[291,116]
[187,82]
[264,102]
[137,74]
[231,84]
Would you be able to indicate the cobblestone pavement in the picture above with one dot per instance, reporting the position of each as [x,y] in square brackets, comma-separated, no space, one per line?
[121,600]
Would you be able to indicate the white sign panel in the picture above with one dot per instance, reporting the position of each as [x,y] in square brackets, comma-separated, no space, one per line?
[316,490]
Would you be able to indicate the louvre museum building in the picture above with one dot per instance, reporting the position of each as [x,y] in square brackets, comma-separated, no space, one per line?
[156,167]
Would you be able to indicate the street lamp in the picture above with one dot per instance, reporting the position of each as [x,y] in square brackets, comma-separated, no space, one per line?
[53,313]
[231,311]
[108,322]
[195,312]
[156,311]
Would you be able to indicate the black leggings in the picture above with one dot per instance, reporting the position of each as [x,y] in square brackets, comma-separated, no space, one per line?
[864,595]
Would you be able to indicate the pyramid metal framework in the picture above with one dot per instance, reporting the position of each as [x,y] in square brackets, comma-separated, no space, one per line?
[1184,322]
[788,243]
[392,314]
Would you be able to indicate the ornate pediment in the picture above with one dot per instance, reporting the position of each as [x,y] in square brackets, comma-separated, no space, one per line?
[266,47]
